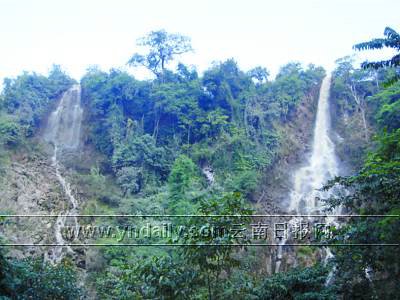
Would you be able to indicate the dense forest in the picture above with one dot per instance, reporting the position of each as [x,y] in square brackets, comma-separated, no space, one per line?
[223,142]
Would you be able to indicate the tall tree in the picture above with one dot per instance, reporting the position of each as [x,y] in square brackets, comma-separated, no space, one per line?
[260,74]
[391,40]
[163,47]
[357,86]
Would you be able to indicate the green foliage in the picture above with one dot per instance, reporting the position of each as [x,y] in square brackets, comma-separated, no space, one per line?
[241,284]
[11,133]
[292,84]
[224,84]
[165,279]
[226,119]
[29,97]
[223,119]
[135,160]
[214,253]
[129,179]
[97,186]
[352,93]
[307,283]
[191,271]
[35,279]
[387,106]
[182,174]
[259,73]
[391,40]
[163,47]
[244,182]
[176,110]
[374,190]
[5,277]
[153,278]
[182,180]
[107,96]
[154,136]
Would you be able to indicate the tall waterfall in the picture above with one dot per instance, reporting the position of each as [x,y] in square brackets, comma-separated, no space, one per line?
[321,166]
[64,125]
[63,131]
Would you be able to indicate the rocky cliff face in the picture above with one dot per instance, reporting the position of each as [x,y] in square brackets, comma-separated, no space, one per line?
[29,187]
[295,143]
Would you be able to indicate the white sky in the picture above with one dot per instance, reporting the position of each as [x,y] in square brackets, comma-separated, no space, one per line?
[78,33]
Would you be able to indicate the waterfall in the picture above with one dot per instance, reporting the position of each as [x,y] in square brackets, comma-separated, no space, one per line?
[209,174]
[321,166]
[63,131]
[64,125]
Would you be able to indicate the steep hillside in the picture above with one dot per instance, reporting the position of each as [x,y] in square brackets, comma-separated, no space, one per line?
[224,143]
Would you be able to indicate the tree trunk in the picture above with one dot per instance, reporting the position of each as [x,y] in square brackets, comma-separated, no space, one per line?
[360,104]
[364,123]
[209,286]
[188,136]
[377,80]
[245,119]
[155,131]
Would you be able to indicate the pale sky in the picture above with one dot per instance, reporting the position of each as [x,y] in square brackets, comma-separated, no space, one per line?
[79,33]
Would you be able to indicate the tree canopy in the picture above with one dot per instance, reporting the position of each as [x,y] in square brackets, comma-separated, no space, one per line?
[391,40]
[162,48]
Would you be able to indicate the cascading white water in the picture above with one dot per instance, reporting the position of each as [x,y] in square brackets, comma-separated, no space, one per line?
[322,166]
[63,131]
[64,125]
[209,174]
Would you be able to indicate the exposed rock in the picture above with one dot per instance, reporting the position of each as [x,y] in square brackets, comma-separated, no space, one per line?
[274,192]
[296,139]
[29,187]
